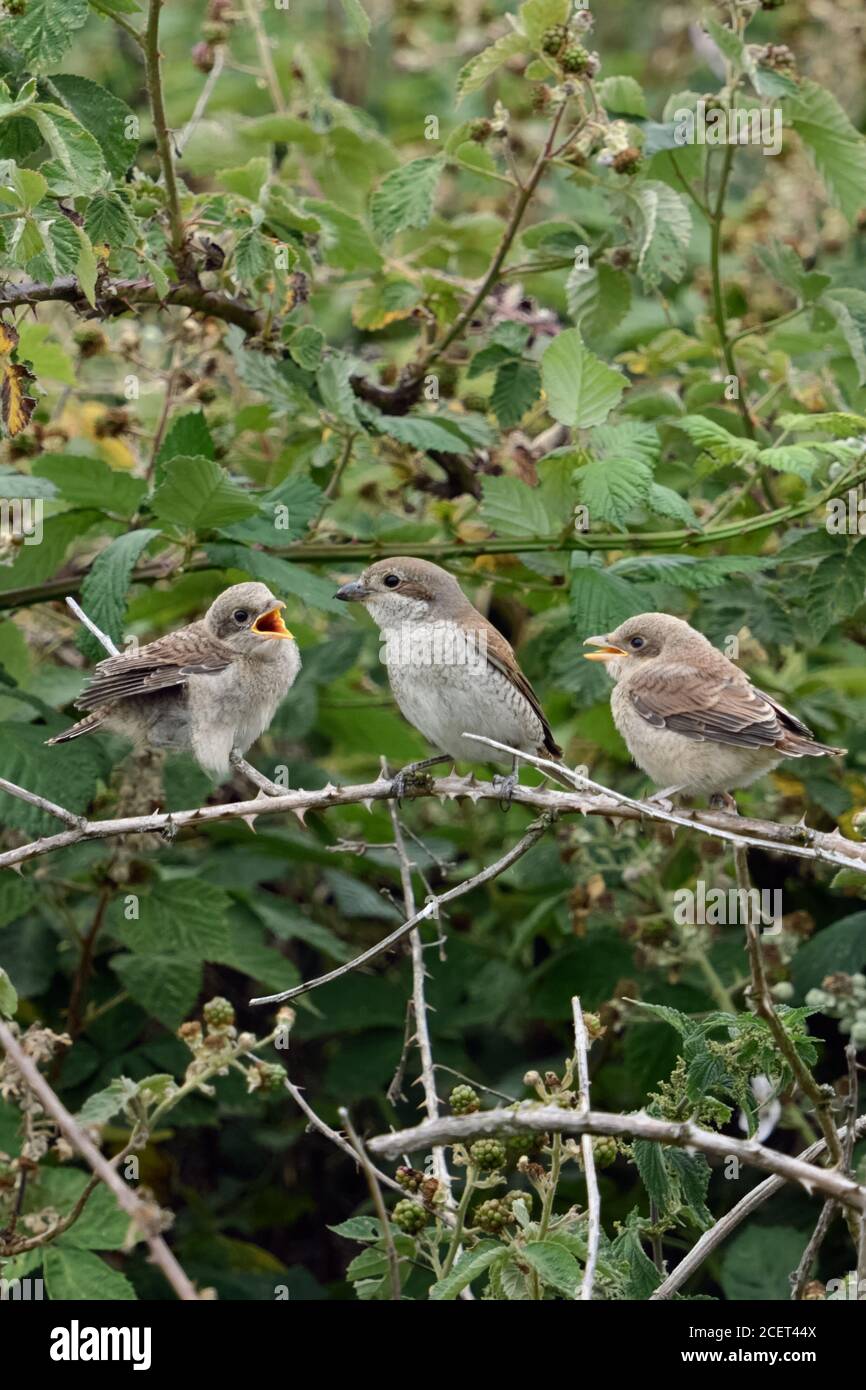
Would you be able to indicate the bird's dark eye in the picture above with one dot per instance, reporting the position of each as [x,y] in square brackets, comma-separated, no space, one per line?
[636,643]
[240,615]
[391,581]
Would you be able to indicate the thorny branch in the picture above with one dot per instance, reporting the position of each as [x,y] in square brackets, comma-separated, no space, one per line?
[142,1214]
[500,1122]
[711,1239]
[593,1235]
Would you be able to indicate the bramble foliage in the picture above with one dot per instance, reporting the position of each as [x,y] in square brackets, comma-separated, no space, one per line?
[445,283]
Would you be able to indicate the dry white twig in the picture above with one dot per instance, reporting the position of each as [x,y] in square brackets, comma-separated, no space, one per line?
[431,909]
[581,1053]
[680,1134]
[144,1216]
[419,1001]
[713,1238]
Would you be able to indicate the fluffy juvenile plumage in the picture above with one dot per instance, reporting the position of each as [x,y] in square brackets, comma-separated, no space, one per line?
[450,670]
[692,720]
[207,689]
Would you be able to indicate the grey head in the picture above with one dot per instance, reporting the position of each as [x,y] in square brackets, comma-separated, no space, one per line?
[404,590]
[247,618]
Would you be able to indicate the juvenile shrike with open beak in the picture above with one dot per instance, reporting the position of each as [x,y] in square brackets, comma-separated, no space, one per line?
[691,719]
[209,689]
[450,670]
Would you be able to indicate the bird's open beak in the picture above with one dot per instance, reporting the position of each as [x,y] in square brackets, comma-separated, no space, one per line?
[271,624]
[355,592]
[607,653]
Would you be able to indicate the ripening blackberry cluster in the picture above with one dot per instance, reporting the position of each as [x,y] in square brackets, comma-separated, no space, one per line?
[843,997]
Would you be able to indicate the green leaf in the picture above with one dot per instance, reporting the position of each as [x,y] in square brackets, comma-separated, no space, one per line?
[334,382]
[8,996]
[188,436]
[512,508]
[305,347]
[623,96]
[722,447]
[252,257]
[757,1263]
[86,266]
[538,15]
[345,239]
[665,234]
[106,117]
[82,1276]
[99,1108]
[66,776]
[198,495]
[840,947]
[45,30]
[89,482]
[790,458]
[665,502]
[74,148]
[599,601]
[469,1266]
[181,917]
[107,222]
[598,300]
[728,43]
[610,488]
[47,358]
[837,147]
[421,432]
[404,198]
[282,576]
[581,389]
[103,593]
[363,1228]
[384,302]
[517,387]
[556,1266]
[357,19]
[650,1162]
[164,986]
[474,74]
[848,307]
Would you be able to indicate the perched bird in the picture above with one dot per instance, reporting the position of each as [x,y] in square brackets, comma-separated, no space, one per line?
[692,720]
[209,689]
[450,670]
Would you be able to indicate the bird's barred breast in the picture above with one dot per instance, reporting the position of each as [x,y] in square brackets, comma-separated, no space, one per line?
[445,700]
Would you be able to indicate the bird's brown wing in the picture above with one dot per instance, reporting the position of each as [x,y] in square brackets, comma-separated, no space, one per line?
[501,657]
[168,661]
[714,709]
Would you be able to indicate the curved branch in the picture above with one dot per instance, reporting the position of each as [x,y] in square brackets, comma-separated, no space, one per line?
[116,297]
[462,1129]
[797,840]
[712,1238]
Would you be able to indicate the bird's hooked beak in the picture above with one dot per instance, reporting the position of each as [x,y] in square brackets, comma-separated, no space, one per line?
[355,592]
[607,653]
[271,624]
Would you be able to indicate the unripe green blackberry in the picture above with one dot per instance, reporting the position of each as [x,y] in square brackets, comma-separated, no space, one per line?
[270,1078]
[604,1150]
[218,1013]
[575,59]
[487,1154]
[409,1217]
[410,1179]
[514,1194]
[553,38]
[493,1216]
[464,1100]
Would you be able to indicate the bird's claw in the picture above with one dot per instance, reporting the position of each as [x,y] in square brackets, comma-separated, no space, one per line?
[505,786]
[723,801]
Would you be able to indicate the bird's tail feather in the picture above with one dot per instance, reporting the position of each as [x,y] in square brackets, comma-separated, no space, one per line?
[795,747]
[83,726]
